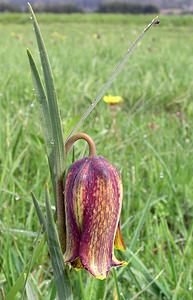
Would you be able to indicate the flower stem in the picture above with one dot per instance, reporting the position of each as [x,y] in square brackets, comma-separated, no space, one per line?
[83,136]
[61,214]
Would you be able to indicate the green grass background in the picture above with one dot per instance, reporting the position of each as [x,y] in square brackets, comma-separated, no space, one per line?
[151,144]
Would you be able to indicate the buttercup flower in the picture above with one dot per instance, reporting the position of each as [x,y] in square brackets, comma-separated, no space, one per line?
[96,36]
[113,100]
[93,198]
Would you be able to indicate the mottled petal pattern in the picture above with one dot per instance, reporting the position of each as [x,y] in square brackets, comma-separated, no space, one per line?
[93,196]
[72,227]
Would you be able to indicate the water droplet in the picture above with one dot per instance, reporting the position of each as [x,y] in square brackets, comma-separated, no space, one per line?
[17,197]
[32,105]
[190,288]
[161,175]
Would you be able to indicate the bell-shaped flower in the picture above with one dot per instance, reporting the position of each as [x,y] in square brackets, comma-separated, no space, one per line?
[93,199]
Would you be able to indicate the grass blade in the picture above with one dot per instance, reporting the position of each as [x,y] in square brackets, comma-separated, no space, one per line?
[38,249]
[30,291]
[118,296]
[156,287]
[16,287]
[170,252]
[146,287]
[157,155]
[41,96]
[39,212]
[20,282]
[140,224]
[60,274]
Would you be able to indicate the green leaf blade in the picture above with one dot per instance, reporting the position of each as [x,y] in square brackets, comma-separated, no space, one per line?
[58,143]
[39,212]
[140,224]
[60,274]
[156,286]
[41,96]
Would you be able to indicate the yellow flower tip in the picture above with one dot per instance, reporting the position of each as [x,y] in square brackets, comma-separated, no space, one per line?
[100,277]
[120,247]
[113,100]
[118,242]
[125,263]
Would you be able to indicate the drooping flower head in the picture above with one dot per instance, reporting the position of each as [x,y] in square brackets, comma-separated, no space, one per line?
[93,198]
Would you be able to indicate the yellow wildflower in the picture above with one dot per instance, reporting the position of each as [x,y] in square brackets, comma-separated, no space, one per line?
[96,36]
[113,100]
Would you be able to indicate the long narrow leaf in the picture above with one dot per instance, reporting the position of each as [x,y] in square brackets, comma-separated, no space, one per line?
[60,274]
[41,96]
[39,212]
[20,282]
[53,129]
[57,142]
[147,286]
[30,291]
[118,295]
[170,252]
[156,287]
[140,224]
[34,256]
[16,287]
[47,125]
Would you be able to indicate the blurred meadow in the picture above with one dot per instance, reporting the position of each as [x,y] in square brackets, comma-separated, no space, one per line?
[149,138]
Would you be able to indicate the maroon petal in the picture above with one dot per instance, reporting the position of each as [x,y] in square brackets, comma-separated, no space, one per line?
[72,195]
